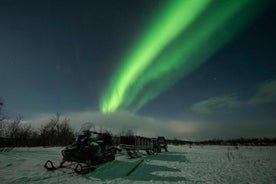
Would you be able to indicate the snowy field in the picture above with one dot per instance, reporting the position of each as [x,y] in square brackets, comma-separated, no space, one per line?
[182,164]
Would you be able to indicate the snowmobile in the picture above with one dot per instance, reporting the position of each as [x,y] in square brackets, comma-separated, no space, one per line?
[90,149]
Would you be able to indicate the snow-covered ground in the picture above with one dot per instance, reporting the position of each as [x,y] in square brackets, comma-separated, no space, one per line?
[182,164]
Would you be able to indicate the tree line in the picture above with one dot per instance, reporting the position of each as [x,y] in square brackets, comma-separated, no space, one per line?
[14,133]
[233,142]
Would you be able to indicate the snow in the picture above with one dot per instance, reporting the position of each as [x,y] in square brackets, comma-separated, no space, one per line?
[182,164]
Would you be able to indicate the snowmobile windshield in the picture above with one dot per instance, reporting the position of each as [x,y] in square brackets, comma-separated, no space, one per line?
[87,126]
[87,129]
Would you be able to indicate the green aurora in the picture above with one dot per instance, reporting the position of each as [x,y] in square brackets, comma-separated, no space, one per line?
[180,39]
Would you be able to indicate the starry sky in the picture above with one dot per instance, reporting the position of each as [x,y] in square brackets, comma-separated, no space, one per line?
[74,57]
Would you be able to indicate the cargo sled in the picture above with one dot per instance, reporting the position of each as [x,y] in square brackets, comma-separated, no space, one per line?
[133,144]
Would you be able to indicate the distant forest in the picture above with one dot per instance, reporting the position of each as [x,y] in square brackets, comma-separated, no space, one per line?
[57,132]
[232,142]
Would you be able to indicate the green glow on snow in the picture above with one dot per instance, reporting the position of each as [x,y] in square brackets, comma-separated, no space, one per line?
[185,34]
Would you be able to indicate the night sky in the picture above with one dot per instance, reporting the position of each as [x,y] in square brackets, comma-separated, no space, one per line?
[71,57]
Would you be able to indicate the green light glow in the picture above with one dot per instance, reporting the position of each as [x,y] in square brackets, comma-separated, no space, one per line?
[162,32]
[185,35]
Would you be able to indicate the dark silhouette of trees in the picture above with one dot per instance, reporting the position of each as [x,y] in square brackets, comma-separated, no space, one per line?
[1,106]
[56,132]
[232,142]
[14,129]
[1,118]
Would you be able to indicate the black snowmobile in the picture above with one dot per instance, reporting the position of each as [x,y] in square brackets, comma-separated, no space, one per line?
[90,149]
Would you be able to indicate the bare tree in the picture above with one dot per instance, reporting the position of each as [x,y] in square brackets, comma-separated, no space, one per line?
[1,119]
[14,127]
[57,131]
[25,131]
[1,106]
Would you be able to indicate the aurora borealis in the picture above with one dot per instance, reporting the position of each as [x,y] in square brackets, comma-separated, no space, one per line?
[181,37]
[163,31]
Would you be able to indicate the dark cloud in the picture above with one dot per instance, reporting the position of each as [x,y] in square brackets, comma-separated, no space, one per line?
[217,104]
[266,93]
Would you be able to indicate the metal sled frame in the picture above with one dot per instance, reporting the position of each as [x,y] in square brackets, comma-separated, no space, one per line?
[134,144]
